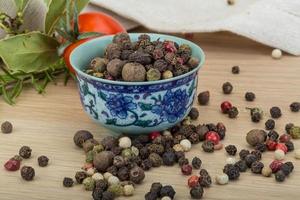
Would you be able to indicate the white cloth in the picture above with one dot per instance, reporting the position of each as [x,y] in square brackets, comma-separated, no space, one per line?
[275,23]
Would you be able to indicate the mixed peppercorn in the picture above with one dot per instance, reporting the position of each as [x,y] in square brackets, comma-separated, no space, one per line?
[142,60]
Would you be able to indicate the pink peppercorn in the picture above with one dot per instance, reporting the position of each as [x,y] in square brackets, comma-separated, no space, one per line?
[212,136]
[284,138]
[154,135]
[282,147]
[275,166]
[87,166]
[170,46]
[226,106]
[193,181]
[271,145]
[12,165]
[186,169]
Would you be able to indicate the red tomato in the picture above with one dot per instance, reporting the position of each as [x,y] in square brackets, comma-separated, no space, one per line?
[93,22]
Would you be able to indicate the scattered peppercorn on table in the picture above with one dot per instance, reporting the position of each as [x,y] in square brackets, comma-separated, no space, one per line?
[47,124]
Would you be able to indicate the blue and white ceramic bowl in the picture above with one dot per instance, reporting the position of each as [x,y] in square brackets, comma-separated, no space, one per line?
[134,107]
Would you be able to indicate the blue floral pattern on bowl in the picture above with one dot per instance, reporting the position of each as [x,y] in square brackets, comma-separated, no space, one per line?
[137,108]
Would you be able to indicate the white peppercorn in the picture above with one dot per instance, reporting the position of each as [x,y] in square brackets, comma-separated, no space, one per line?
[276,53]
[222,179]
[186,144]
[128,190]
[125,142]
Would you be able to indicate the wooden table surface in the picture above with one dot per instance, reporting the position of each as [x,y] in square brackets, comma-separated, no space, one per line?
[48,122]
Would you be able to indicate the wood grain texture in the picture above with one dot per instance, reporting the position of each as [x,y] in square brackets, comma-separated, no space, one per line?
[48,122]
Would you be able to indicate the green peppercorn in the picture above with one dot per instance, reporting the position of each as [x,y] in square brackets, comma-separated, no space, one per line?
[295,132]
[116,189]
[89,157]
[153,74]
[88,183]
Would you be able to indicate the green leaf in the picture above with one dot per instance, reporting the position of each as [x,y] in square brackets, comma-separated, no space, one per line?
[31,52]
[80,4]
[47,2]
[145,106]
[6,97]
[56,10]
[37,87]
[16,90]
[88,35]
[75,21]
[21,4]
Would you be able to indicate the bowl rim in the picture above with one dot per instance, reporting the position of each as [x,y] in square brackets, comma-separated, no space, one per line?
[82,73]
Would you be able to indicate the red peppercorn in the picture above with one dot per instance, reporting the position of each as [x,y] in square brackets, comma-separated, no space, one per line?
[282,147]
[226,106]
[212,136]
[271,145]
[193,181]
[12,165]
[170,46]
[186,169]
[284,138]
[154,135]
[275,165]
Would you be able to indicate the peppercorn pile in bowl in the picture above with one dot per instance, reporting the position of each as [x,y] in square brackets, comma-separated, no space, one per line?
[137,83]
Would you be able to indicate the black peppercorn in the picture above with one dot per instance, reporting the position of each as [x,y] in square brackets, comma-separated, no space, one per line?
[249,96]
[256,117]
[288,127]
[270,124]
[295,106]
[243,153]
[256,167]
[257,153]
[25,152]
[27,173]
[146,164]
[107,195]
[179,154]
[196,192]
[123,174]
[241,165]
[156,148]
[279,176]
[144,152]
[291,165]
[155,159]
[68,182]
[231,150]
[187,130]
[227,88]
[286,169]
[194,113]
[290,146]
[273,135]
[81,136]
[168,191]
[211,127]
[183,161]
[235,69]
[196,163]
[262,147]
[232,171]
[109,142]
[208,146]
[201,130]
[151,196]
[194,138]
[203,98]
[112,51]
[233,112]
[168,158]
[113,170]
[161,65]
[97,194]
[43,161]
[155,188]
[137,175]
[221,130]
[80,176]
[203,172]
[275,112]
[6,127]
[205,181]
[250,158]
[101,184]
